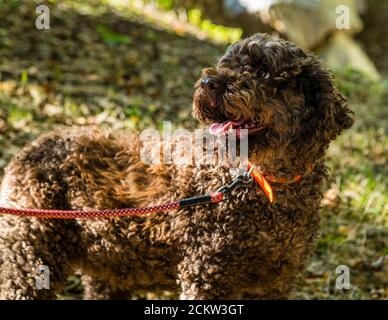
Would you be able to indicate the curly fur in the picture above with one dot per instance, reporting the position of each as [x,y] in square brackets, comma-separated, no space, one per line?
[242,247]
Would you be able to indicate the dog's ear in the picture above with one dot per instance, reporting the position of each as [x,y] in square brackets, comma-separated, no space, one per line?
[326,111]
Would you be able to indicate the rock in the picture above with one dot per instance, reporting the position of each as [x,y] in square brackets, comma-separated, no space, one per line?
[309,22]
[341,51]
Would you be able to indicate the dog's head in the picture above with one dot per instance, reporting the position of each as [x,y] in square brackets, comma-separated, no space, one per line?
[277,91]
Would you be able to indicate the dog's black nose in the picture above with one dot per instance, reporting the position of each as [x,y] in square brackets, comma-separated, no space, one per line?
[211,83]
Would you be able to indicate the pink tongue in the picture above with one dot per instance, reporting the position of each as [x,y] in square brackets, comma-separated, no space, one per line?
[220,128]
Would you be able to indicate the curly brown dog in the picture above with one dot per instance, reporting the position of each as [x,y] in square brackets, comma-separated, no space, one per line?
[242,247]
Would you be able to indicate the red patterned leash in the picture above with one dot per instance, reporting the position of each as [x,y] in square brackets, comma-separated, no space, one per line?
[252,174]
[214,197]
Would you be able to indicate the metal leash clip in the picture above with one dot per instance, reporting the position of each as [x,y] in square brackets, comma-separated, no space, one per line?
[241,179]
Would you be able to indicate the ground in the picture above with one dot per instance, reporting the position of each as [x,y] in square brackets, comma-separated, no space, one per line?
[132,69]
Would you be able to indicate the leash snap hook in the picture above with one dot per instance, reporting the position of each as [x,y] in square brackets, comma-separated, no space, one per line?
[247,177]
[227,189]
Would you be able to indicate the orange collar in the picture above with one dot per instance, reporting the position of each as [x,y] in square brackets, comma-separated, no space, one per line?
[262,181]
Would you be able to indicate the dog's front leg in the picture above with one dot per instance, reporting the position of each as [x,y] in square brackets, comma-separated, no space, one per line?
[202,277]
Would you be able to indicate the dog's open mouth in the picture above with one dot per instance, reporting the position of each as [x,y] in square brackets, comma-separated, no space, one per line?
[223,127]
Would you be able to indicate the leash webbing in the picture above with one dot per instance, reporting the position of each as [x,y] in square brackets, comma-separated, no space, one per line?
[111,213]
[214,197]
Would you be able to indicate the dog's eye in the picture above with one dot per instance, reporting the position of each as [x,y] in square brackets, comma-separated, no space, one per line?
[263,73]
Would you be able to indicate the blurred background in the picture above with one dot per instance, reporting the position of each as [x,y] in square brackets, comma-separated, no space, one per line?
[132,64]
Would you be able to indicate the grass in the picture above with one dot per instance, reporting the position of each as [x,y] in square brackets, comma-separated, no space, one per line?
[128,69]
[355,208]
